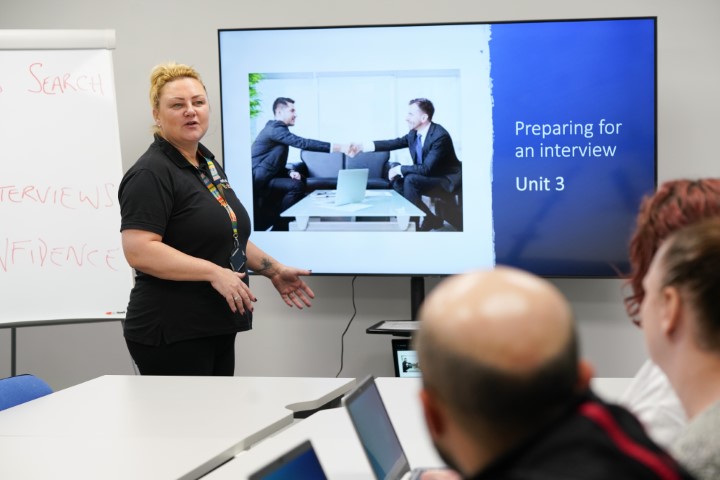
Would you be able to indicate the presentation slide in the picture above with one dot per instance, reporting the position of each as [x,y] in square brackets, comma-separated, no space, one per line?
[574,142]
[553,123]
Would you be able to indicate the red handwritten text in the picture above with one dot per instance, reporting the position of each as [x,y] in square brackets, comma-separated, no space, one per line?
[54,84]
[95,197]
[37,252]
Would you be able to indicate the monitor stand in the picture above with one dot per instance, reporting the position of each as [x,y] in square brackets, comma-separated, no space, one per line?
[417,295]
[404,328]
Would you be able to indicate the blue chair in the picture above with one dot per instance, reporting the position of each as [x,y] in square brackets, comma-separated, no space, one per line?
[21,389]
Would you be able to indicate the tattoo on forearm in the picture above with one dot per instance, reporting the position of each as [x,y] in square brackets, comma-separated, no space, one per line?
[265,264]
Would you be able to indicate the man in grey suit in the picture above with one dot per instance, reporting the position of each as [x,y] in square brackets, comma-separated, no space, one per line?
[274,187]
[435,169]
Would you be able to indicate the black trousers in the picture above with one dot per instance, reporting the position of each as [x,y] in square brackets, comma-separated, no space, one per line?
[279,195]
[208,356]
[414,186]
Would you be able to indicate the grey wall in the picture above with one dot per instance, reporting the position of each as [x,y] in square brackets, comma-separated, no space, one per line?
[288,342]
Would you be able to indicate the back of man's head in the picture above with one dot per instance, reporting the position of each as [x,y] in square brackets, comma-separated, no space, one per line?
[499,350]
[281,102]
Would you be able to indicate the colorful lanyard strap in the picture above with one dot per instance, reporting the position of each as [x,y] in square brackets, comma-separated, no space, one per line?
[213,189]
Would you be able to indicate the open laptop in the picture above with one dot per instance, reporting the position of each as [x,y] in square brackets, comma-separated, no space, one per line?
[377,434]
[351,186]
[300,463]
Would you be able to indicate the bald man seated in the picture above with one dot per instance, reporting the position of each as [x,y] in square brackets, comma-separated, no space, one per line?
[505,395]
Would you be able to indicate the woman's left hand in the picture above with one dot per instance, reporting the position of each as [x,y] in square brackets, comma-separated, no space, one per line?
[293,290]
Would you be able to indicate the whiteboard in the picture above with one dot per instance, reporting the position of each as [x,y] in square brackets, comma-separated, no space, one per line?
[60,167]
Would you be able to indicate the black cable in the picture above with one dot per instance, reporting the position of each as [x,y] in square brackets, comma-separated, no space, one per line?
[347,327]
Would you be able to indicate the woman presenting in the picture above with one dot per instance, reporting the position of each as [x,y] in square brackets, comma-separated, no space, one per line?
[185,233]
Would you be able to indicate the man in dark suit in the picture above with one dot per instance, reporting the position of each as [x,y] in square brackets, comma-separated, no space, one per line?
[435,169]
[275,188]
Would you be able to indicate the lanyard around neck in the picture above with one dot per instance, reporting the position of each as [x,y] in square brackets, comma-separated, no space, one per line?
[213,189]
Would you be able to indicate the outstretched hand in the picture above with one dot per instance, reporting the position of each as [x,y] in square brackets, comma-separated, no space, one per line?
[349,149]
[292,289]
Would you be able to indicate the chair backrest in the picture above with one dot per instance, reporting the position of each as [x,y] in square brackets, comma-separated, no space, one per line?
[375,162]
[20,389]
[322,164]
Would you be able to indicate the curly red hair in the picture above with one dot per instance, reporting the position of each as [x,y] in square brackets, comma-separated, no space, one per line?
[676,203]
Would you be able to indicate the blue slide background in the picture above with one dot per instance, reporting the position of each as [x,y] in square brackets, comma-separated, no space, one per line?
[579,71]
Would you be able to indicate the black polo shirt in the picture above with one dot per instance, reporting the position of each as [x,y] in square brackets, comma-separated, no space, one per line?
[164,194]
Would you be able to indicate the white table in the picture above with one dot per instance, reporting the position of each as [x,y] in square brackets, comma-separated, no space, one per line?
[337,446]
[318,211]
[152,427]
[93,457]
[336,443]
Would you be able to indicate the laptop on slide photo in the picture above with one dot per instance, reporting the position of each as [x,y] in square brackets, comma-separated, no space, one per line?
[377,434]
[351,186]
[299,463]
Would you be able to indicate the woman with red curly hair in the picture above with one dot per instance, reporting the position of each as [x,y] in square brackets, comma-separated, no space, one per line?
[675,204]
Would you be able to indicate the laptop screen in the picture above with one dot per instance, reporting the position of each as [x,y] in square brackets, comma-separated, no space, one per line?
[300,463]
[351,185]
[375,430]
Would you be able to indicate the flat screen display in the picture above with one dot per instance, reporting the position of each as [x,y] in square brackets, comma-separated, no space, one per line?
[552,126]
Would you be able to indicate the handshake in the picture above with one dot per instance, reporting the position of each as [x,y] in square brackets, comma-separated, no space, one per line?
[349,149]
[352,149]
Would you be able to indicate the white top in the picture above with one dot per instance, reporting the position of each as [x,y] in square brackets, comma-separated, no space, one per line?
[652,399]
[610,389]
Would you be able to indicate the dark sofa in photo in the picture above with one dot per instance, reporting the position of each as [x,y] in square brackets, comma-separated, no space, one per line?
[321,168]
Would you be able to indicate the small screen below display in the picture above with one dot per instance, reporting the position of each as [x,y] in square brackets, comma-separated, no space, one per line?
[536,153]
[405,359]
